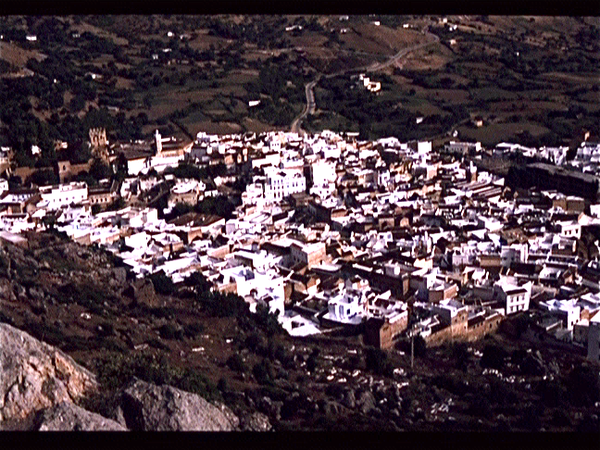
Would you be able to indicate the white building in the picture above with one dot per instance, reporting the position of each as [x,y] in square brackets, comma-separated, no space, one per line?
[349,307]
[516,298]
[282,183]
[463,147]
[514,253]
[570,229]
[567,310]
[323,172]
[57,196]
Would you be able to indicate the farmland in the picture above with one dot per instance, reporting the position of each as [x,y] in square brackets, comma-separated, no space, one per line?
[532,74]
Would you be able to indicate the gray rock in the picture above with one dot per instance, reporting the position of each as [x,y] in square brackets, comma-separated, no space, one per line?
[148,407]
[349,399]
[36,376]
[271,408]
[366,402]
[120,275]
[70,417]
[255,422]
[332,409]
[142,293]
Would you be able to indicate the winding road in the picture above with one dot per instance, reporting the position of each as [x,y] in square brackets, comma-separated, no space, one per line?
[296,126]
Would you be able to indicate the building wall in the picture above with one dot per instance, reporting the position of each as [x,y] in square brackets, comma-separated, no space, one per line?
[489,325]
[594,341]
[382,333]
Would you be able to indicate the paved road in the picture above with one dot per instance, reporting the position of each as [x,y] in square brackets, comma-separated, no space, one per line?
[310,107]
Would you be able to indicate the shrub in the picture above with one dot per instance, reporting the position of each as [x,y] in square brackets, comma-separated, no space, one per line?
[116,370]
[461,355]
[493,357]
[267,321]
[263,372]
[377,361]
[217,304]
[169,331]
[583,384]
[222,385]
[157,344]
[162,283]
[312,362]
[106,329]
[193,329]
[236,363]
[420,347]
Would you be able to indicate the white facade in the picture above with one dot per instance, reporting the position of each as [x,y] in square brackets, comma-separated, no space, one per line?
[135,166]
[514,253]
[61,195]
[282,183]
[570,229]
[516,297]
[348,307]
[567,309]
[463,147]
[323,173]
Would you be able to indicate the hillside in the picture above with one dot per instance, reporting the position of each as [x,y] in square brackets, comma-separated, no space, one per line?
[531,79]
[78,299]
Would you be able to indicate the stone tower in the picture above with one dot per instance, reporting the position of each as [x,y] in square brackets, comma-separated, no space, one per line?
[99,143]
[98,137]
[158,139]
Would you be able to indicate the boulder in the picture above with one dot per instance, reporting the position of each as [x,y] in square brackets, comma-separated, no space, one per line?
[69,417]
[255,422]
[142,293]
[120,275]
[349,399]
[365,402]
[273,409]
[147,407]
[331,408]
[36,376]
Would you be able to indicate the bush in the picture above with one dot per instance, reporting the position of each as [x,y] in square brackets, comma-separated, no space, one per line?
[192,330]
[255,343]
[267,321]
[162,283]
[217,304]
[116,370]
[493,357]
[420,347]
[263,372]
[106,329]
[312,362]
[583,384]
[169,331]
[461,355]
[222,385]
[377,362]
[236,363]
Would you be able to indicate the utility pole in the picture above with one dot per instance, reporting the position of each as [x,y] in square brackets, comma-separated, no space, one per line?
[412,349]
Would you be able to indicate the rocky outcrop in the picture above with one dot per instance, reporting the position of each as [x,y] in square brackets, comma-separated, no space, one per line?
[70,417]
[142,293]
[36,376]
[255,422]
[147,407]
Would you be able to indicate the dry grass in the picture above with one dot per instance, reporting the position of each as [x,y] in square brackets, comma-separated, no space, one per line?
[84,26]
[18,56]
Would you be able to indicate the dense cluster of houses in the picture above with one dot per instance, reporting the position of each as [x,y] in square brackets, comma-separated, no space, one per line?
[337,235]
